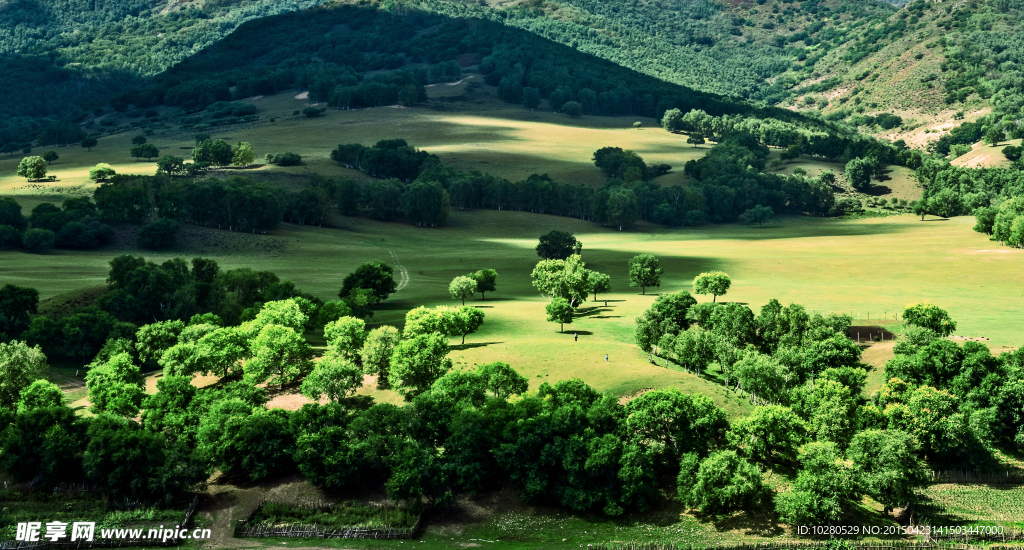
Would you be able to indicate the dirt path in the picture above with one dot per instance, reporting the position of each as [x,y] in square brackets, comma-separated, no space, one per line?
[403,273]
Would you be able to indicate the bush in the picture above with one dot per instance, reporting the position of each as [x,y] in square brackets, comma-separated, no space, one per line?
[10,236]
[159,234]
[38,241]
[312,112]
[286,159]
[1012,152]
[573,109]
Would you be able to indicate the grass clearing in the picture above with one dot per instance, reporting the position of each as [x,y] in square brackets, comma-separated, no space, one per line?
[825,264]
[478,131]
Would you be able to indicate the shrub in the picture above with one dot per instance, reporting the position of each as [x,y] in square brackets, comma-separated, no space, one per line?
[312,112]
[573,109]
[38,241]
[286,159]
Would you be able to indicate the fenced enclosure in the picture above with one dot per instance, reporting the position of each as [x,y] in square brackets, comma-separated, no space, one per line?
[325,521]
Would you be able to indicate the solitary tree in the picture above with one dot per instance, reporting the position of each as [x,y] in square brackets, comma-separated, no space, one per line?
[672,120]
[101,172]
[931,317]
[465,320]
[33,168]
[376,277]
[696,138]
[242,154]
[559,311]
[88,142]
[146,151]
[485,281]
[716,283]
[50,156]
[599,282]
[138,140]
[462,287]
[170,165]
[858,173]
[644,271]
[994,135]
[556,245]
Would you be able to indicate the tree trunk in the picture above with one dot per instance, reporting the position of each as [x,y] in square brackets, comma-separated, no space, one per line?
[714,298]
[561,327]
[463,339]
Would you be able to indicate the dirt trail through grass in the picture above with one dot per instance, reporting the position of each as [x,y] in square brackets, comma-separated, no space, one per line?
[403,273]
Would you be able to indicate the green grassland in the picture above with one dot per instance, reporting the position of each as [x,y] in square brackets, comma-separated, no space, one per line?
[864,267]
[479,131]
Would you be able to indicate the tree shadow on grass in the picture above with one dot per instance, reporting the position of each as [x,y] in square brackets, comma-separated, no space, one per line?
[607,317]
[570,332]
[761,522]
[472,345]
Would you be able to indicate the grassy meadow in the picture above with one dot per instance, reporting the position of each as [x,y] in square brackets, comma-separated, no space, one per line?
[870,267]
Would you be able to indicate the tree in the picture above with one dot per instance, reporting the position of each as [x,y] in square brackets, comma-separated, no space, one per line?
[242,154]
[723,483]
[822,489]
[461,287]
[886,465]
[88,142]
[334,377]
[170,165]
[38,241]
[557,245]
[50,156]
[465,320]
[559,311]
[623,209]
[599,282]
[531,98]
[40,394]
[858,173]
[694,348]
[931,317]
[644,271]
[115,386]
[486,280]
[246,442]
[346,337]
[758,214]
[33,168]
[921,208]
[20,365]
[17,305]
[212,152]
[376,354]
[672,120]
[770,435]
[377,277]
[1012,152]
[10,214]
[696,139]
[994,135]
[279,356]
[146,151]
[716,283]
[101,172]
[139,140]
[409,96]
[502,380]
[568,279]
[572,108]
[418,362]
[160,234]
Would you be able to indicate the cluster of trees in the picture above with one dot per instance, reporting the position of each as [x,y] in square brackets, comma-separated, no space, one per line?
[567,282]
[993,195]
[75,224]
[139,292]
[238,204]
[482,281]
[388,158]
[942,404]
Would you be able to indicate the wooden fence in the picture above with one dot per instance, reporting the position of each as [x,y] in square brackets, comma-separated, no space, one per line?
[1006,477]
[244,528]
